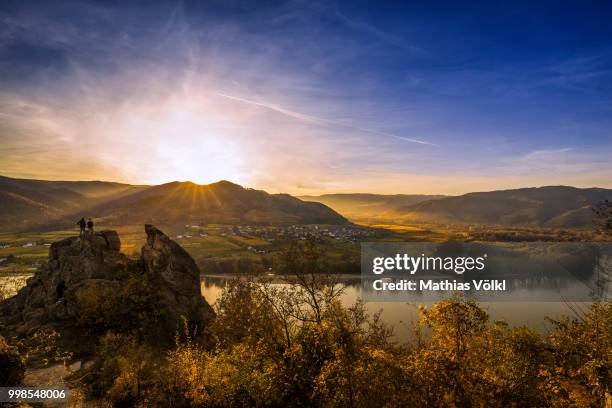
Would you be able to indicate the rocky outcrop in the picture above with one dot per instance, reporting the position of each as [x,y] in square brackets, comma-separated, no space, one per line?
[50,295]
[165,276]
[176,278]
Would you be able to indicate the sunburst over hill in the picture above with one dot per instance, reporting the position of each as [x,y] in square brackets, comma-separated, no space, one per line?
[29,203]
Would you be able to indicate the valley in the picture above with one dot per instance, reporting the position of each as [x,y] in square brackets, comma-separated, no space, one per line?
[230,229]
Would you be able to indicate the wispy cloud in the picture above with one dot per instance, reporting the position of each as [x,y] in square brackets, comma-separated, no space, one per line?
[566,165]
[319,120]
[377,33]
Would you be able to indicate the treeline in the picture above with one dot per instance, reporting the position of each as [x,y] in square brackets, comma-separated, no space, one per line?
[297,345]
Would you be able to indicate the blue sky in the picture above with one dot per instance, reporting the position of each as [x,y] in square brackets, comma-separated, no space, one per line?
[309,97]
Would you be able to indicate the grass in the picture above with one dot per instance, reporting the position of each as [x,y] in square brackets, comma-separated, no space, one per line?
[35,253]
[400,233]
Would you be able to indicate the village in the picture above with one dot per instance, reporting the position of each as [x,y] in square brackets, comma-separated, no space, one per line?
[345,233]
[202,241]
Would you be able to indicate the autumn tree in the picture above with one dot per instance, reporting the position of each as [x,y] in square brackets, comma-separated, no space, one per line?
[603,216]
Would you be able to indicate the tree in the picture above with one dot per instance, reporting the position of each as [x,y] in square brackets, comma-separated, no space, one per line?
[603,216]
[581,371]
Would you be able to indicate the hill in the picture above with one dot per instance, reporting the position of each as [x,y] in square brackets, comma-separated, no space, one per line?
[222,202]
[39,203]
[551,206]
[91,189]
[357,206]
[26,202]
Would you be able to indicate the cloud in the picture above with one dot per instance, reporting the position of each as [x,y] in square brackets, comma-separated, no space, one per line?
[375,32]
[579,166]
[315,98]
[319,120]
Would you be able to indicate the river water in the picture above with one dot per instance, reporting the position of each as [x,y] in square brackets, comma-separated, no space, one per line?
[402,315]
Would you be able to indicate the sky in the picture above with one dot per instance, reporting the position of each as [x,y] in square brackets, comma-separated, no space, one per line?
[309,97]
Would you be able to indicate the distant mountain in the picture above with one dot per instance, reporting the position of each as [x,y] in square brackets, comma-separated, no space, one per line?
[58,204]
[223,202]
[357,206]
[27,203]
[90,189]
[552,206]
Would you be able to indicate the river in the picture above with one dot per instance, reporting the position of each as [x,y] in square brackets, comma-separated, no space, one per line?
[402,315]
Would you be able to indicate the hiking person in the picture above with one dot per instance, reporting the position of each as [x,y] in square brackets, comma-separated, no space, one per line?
[82,225]
[90,226]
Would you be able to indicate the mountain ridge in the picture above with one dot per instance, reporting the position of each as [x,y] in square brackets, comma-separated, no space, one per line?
[220,202]
[546,206]
[554,206]
[27,203]
[369,205]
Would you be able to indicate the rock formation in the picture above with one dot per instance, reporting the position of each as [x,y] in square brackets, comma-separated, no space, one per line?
[165,275]
[176,277]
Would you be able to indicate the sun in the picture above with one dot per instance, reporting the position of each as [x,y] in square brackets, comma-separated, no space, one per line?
[205,160]
[190,146]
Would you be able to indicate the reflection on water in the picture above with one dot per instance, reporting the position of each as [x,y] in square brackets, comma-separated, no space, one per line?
[402,315]
[536,289]
[525,272]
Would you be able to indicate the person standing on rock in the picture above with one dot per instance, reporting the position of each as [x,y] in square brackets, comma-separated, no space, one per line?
[82,225]
[90,226]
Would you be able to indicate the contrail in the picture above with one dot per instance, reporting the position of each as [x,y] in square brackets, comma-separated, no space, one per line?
[317,120]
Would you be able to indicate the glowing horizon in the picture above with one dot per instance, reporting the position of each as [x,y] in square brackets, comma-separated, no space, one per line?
[334,104]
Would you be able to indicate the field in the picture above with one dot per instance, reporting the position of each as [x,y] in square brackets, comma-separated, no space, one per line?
[216,248]
[219,248]
[31,246]
[450,232]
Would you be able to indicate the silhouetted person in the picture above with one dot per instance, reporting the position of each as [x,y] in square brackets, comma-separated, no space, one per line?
[82,225]
[90,226]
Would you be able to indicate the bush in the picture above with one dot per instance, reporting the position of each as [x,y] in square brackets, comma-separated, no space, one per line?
[297,345]
[12,367]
